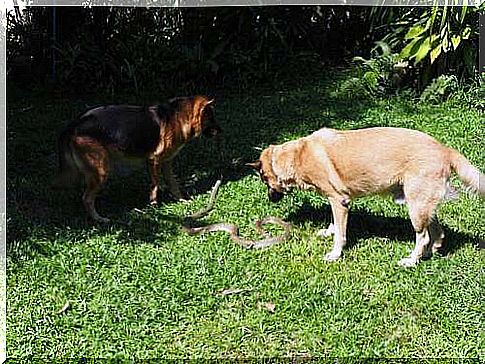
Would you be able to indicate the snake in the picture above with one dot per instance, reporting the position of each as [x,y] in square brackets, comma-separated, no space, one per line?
[233,229]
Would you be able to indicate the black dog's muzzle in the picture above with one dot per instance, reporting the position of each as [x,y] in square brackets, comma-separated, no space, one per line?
[274,196]
[212,131]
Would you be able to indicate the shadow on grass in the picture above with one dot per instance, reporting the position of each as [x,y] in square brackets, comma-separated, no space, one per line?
[148,226]
[249,121]
[132,228]
[364,225]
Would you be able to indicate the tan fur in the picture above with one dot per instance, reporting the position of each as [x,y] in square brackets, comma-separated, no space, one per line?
[343,165]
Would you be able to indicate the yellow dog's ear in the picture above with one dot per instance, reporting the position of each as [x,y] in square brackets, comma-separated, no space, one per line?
[254,165]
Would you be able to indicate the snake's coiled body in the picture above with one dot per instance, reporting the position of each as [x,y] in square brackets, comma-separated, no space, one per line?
[248,244]
[233,230]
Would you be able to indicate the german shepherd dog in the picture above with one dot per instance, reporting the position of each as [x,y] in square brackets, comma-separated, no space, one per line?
[89,146]
[343,165]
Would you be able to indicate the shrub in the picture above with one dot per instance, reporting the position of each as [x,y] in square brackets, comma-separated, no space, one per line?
[440,89]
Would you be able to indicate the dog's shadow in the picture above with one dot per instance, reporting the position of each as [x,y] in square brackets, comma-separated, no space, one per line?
[363,225]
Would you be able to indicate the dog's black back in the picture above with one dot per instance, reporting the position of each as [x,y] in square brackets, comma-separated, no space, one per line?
[133,130]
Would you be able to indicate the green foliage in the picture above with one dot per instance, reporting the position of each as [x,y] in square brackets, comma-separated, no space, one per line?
[136,49]
[438,39]
[377,75]
[472,94]
[155,51]
[440,89]
[447,87]
[439,31]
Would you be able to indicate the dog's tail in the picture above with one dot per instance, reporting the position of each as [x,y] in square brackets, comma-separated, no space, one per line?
[69,172]
[468,174]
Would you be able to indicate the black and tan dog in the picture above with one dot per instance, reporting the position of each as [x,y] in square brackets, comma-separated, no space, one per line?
[89,145]
[342,165]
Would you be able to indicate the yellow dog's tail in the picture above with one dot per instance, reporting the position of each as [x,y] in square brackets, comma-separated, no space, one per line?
[468,174]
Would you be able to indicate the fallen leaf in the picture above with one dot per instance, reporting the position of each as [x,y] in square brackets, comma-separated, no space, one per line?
[226,292]
[64,308]
[269,306]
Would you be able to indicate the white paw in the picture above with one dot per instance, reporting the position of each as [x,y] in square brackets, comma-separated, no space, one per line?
[408,262]
[178,197]
[325,233]
[332,257]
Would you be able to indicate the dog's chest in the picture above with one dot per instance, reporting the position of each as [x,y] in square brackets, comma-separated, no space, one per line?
[167,151]
[309,187]
[306,186]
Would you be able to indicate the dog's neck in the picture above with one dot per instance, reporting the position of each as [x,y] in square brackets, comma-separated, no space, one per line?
[284,166]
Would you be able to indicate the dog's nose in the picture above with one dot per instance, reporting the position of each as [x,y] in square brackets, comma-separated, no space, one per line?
[274,196]
[216,131]
[212,131]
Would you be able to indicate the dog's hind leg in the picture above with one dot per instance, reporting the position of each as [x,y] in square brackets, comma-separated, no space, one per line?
[436,235]
[422,240]
[93,162]
[340,214]
[422,197]
[94,183]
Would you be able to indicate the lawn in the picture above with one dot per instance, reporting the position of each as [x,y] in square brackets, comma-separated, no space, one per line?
[141,288]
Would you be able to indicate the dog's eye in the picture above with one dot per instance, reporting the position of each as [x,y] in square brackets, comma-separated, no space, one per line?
[208,113]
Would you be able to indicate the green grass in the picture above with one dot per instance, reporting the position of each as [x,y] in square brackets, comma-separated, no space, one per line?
[142,288]
[3,310]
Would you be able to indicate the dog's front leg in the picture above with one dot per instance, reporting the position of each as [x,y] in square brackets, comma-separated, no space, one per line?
[171,181]
[154,171]
[340,214]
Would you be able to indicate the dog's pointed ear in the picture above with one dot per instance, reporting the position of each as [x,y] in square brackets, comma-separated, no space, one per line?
[206,104]
[254,165]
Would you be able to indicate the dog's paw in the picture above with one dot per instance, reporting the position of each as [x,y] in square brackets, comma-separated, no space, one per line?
[325,233]
[179,197]
[332,257]
[184,199]
[102,220]
[408,262]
